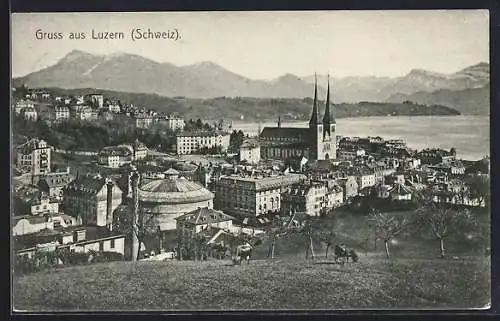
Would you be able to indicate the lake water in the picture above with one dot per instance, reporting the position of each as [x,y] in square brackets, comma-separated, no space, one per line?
[470,135]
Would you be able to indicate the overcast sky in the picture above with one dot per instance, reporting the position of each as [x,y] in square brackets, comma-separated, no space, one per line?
[265,45]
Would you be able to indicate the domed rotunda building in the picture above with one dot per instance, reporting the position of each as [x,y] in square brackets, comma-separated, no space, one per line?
[171,197]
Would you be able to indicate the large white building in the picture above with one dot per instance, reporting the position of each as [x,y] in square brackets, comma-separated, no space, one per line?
[250,152]
[171,122]
[115,156]
[252,196]
[192,142]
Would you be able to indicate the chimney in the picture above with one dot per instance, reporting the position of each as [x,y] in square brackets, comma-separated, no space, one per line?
[80,235]
[109,205]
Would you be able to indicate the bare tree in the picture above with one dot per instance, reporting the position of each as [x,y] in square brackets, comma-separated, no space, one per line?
[308,230]
[387,226]
[443,221]
[145,225]
[328,237]
[274,233]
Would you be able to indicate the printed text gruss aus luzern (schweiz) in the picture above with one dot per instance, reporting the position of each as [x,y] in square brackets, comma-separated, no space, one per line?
[135,34]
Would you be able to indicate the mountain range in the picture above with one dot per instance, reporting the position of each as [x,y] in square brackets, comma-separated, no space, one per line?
[466,90]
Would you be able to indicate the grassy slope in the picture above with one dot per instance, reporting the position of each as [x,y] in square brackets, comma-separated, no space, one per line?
[287,284]
[414,278]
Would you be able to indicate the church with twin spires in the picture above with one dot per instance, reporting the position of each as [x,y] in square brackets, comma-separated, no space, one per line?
[317,142]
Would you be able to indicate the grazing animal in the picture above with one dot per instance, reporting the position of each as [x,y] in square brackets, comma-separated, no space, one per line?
[243,252]
[342,254]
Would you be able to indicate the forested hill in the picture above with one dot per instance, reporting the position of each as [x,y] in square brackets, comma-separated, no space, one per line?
[261,109]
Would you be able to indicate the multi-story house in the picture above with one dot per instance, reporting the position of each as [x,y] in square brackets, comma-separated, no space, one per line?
[34,157]
[114,107]
[309,198]
[349,154]
[59,113]
[171,122]
[53,183]
[200,219]
[115,156]
[250,152]
[143,120]
[252,195]
[349,186]
[364,177]
[191,142]
[434,156]
[96,99]
[92,199]
[140,151]
[29,224]
[44,204]
[30,114]
[380,170]
[83,113]
[23,103]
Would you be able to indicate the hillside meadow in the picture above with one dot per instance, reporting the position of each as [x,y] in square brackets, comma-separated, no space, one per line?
[414,278]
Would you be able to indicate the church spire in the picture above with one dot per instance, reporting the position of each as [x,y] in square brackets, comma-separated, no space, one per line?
[327,117]
[315,117]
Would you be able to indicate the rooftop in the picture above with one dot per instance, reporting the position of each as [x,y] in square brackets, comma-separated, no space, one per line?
[201,134]
[289,132]
[176,190]
[88,183]
[93,233]
[204,216]
[263,182]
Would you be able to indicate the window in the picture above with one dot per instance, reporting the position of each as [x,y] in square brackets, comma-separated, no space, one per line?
[112,244]
[101,246]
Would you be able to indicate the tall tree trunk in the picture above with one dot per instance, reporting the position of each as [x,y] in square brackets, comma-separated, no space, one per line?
[327,248]
[272,251]
[139,250]
[386,242]
[441,244]
[311,245]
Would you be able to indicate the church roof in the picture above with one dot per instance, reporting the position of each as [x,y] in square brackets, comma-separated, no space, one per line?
[289,132]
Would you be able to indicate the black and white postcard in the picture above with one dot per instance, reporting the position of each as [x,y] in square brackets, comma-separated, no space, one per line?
[286,160]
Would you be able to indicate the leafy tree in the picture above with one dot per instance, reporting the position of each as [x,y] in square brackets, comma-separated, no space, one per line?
[479,188]
[387,226]
[236,138]
[442,221]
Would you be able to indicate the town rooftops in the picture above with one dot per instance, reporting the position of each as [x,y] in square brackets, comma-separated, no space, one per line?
[88,183]
[92,234]
[138,145]
[61,109]
[38,219]
[303,189]
[56,179]
[115,151]
[204,216]
[201,133]
[34,143]
[266,182]
[249,143]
